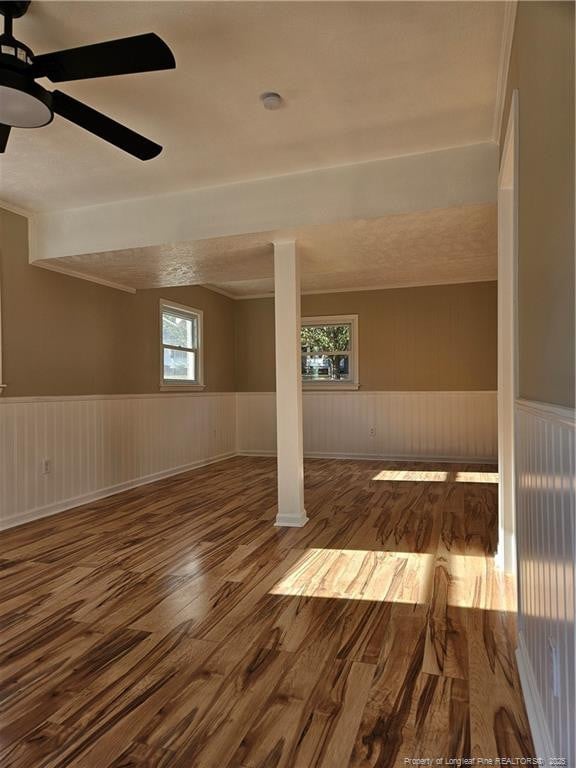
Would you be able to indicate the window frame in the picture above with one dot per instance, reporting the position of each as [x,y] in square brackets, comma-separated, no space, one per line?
[169,385]
[354,381]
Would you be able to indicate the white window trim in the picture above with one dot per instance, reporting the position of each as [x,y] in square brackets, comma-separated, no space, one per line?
[337,385]
[181,386]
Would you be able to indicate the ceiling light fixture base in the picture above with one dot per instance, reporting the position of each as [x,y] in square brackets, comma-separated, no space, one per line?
[271,100]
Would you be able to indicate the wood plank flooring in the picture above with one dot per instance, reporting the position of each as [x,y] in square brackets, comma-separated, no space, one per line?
[174,626]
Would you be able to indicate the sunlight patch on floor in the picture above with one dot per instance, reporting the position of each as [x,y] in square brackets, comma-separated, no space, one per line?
[412,475]
[476,477]
[435,476]
[396,577]
[357,574]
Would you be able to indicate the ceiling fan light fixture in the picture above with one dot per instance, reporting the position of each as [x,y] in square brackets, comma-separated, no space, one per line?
[23,103]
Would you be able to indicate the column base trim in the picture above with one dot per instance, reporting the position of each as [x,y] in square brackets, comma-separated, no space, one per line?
[287,521]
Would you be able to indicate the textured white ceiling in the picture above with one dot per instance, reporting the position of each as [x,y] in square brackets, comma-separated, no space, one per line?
[439,246]
[360,80]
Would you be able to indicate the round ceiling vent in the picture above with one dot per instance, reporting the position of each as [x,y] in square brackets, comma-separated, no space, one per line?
[271,100]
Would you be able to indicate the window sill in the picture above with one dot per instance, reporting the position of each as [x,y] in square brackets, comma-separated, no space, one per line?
[182,387]
[330,387]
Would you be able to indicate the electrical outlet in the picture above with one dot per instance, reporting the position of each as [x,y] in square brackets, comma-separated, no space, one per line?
[372,432]
[46,466]
[554,667]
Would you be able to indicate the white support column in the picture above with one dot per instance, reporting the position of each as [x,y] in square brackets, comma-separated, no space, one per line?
[289,439]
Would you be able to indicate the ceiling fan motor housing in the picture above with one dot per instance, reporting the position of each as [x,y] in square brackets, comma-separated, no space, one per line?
[14,8]
[13,53]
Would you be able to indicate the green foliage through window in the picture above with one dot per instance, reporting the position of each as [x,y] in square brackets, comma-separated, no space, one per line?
[325,338]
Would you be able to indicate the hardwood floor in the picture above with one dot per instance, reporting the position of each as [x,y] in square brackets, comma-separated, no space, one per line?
[173,625]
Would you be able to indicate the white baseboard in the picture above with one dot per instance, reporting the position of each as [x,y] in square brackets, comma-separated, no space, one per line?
[381,457]
[536,717]
[77,501]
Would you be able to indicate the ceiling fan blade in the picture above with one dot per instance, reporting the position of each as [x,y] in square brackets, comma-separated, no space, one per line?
[141,53]
[104,127]
[4,133]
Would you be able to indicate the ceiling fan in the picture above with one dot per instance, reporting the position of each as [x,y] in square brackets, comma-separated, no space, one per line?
[26,104]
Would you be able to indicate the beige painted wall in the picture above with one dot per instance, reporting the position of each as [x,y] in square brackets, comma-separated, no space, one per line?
[64,336]
[429,338]
[542,69]
[142,316]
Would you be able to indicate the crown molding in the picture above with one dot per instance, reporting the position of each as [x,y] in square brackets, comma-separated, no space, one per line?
[215,289]
[386,287]
[4,205]
[81,276]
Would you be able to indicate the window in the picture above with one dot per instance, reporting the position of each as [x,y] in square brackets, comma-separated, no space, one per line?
[329,347]
[181,347]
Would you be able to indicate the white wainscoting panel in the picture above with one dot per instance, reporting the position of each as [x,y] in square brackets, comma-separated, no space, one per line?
[439,425]
[546,549]
[102,444]
[98,445]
